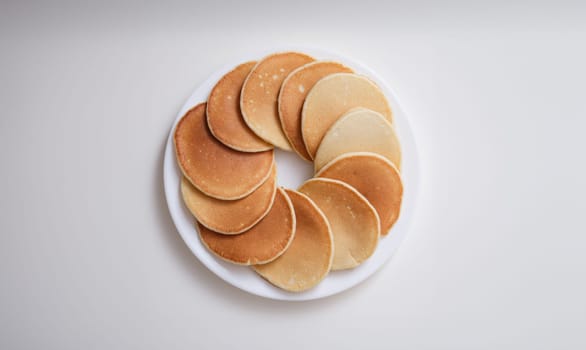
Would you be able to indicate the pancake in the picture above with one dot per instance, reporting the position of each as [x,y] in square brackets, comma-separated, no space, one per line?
[375,178]
[354,222]
[258,100]
[308,259]
[213,168]
[333,96]
[262,243]
[223,112]
[360,130]
[292,95]
[230,217]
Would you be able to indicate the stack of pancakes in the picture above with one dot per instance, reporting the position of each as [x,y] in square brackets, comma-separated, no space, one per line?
[327,114]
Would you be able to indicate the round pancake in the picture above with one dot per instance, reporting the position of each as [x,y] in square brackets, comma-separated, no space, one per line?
[212,167]
[223,112]
[375,178]
[360,130]
[333,96]
[258,100]
[308,259]
[230,217]
[262,243]
[354,222]
[292,95]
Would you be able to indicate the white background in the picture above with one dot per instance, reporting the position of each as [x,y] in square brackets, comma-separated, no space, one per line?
[89,258]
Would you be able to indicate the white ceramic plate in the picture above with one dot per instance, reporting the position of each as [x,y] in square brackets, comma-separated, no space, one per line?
[291,172]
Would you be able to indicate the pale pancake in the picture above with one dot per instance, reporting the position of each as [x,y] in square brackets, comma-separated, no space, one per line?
[258,100]
[230,217]
[223,112]
[360,130]
[333,96]
[308,259]
[292,95]
[375,178]
[212,167]
[354,222]
[262,243]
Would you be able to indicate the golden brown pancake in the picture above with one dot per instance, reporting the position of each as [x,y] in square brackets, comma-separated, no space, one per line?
[262,243]
[375,178]
[309,257]
[223,112]
[258,100]
[230,217]
[212,167]
[333,96]
[292,95]
[360,130]
[354,222]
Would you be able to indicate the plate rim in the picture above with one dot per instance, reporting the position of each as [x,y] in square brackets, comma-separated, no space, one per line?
[410,167]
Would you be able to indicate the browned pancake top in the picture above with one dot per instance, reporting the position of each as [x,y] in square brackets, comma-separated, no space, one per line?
[263,242]
[375,178]
[213,168]
[230,217]
[258,100]
[224,116]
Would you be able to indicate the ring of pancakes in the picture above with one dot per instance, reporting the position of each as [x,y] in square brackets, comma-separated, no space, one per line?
[325,113]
